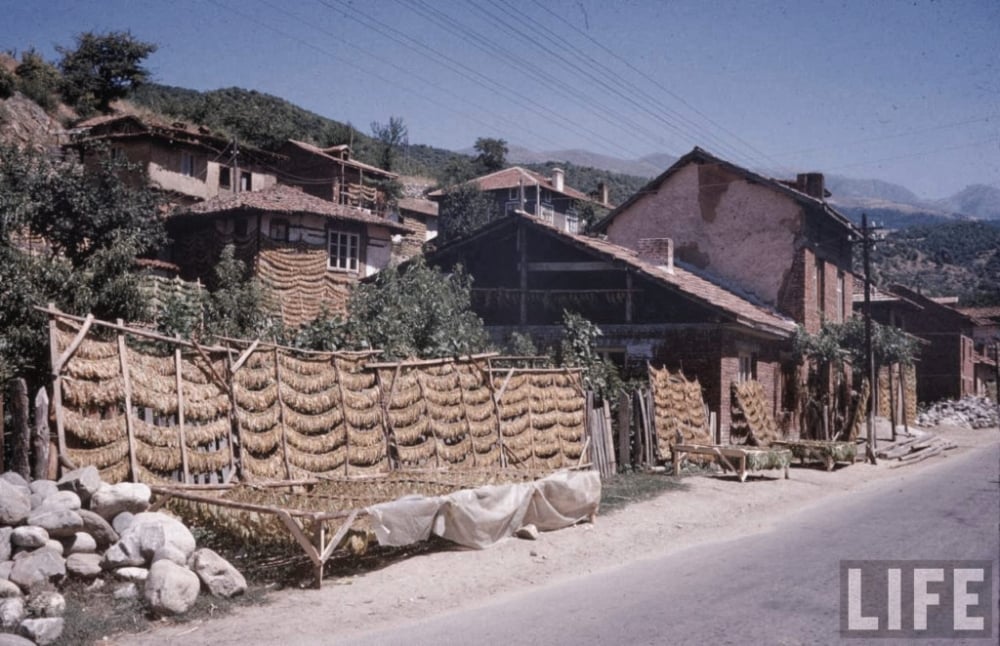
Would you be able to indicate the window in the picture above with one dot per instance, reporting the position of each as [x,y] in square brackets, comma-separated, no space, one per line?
[820,288]
[840,297]
[246,181]
[225,177]
[512,194]
[572,224]
[548,214]
[344,250]
[187,165]
[748,368]
[279,230]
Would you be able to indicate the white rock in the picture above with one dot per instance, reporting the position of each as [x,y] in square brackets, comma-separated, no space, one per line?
[9,589]
[42,631]
[170,588]
[5,546]
[47,603]
[40,566]
[80,543]
[12,612]
[9,639]
[84,566]
[40,490]
[111,500]
[122,521]
[5,568]
[14,478]
[151,531]
[63,500]
[219,576]
[170,553]
[29,536]
[15,502]
[102,531]
[528,532]
[132,574]
[58,522]
[55,546]
[85,482]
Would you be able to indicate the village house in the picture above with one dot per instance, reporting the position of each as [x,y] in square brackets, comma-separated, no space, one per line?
[651,308]
[778,240]
[188,163]
[549,198]
[305,250]
[946,366]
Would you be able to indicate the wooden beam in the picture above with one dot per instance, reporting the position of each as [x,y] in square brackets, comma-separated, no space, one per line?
[591,265]
[246,355]
[75,345]
[127,384]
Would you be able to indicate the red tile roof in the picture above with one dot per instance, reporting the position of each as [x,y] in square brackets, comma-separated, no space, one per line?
[418,205]
[513,177]
[333,154]
[288,199]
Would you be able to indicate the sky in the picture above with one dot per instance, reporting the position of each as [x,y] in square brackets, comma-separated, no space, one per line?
[902,91]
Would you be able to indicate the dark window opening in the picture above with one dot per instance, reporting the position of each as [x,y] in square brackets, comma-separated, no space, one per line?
[225,177]
[279,230]
[246,181]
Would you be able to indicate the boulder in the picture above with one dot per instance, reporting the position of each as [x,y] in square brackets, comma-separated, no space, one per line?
[9,589]
[217,574]
[171,554]
[102,531]
[15,503]
[132,574]
[29,536]
[84,482]
[55,546]
[122,521]
[47,603]
[529,532]
[151,531]
[79,543]
[5,546]
[110,500]
[84,566]
[38,567]
[40,490]
[9,639]
[57,521]
[5,568]
[123,554]
[15,479]
[42,631]
[170,588]
[12,613]
[63,500]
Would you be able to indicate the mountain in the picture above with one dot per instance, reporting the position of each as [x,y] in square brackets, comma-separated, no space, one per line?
[978,200]
[845,189]
[645,167]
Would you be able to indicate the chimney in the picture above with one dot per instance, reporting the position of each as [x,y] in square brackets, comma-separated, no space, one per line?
[558,177]
[602,191]
[812,184]
[657,251]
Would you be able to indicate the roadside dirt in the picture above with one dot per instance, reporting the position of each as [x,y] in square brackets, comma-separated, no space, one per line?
[711,509]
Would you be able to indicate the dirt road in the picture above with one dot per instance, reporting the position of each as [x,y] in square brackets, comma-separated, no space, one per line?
[711,509]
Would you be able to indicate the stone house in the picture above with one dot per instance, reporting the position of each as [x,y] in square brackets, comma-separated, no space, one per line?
[778,240]
[650,308]
[549,198]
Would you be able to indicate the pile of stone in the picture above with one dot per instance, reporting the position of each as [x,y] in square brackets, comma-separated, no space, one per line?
[81,527]
[971,412]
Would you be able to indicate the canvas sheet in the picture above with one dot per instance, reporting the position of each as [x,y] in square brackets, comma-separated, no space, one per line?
[480,517]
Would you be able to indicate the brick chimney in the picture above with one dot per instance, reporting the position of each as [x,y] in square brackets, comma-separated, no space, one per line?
[657,251]
[558,179]
[812,184]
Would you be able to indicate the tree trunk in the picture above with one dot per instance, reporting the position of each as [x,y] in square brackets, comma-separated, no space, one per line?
[21,433]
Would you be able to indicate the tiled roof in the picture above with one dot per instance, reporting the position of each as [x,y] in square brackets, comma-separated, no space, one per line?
[327,153]
[288,199]
[418,205]
[981,313]
[682,279]
[699,155]
[514,176]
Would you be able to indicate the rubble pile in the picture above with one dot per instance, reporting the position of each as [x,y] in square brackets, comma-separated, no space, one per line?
[971,412]
[83,528]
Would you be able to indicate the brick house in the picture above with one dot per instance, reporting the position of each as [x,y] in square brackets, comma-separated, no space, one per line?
[520,189]
[946,365]
[305,250]
[779,240]
[189,163]
[650,308]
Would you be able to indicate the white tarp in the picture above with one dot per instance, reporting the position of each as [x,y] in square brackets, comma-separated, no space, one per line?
[480,517]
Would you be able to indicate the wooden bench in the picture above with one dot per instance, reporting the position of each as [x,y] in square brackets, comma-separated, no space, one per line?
[739,459]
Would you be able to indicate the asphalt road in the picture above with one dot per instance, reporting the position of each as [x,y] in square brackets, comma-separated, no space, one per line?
[779,587]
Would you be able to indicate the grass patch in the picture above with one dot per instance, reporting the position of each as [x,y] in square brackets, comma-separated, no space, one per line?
[619,491]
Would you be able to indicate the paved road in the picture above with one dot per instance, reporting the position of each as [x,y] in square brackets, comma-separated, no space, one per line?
[780,587]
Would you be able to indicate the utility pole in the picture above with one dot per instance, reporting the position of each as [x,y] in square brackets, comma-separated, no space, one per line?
[869,356]
[996,359]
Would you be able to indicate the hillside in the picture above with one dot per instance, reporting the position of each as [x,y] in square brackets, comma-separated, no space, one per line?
[953,259]
[978,200]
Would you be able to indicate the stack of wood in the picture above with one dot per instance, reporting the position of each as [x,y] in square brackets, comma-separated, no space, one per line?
[914,449]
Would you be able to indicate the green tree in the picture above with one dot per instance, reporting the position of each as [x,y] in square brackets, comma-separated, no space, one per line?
[235,306]
[103,68]
[578,349]
[492,154]
[464,209]
[38,80]
[390,137]
[416,311]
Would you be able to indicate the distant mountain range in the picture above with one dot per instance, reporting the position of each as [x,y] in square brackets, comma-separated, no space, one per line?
[892,205]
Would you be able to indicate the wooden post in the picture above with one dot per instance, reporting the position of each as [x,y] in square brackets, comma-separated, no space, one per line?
[40,437]
[826,422]
[902,396]
[892,403]
[21,435]
[624,428]
[181,433]
[650,408]
[129,424]
[628,297]
[57,385]
[609,441]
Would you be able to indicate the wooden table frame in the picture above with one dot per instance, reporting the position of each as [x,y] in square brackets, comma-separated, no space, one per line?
[722,455]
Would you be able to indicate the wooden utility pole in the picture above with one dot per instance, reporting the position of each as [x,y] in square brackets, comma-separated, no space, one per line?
[869,356]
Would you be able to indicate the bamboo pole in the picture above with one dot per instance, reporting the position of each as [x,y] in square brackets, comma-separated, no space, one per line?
[178,382]
[129,422]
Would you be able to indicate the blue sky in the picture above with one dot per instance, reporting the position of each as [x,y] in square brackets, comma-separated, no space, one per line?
[907,92]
